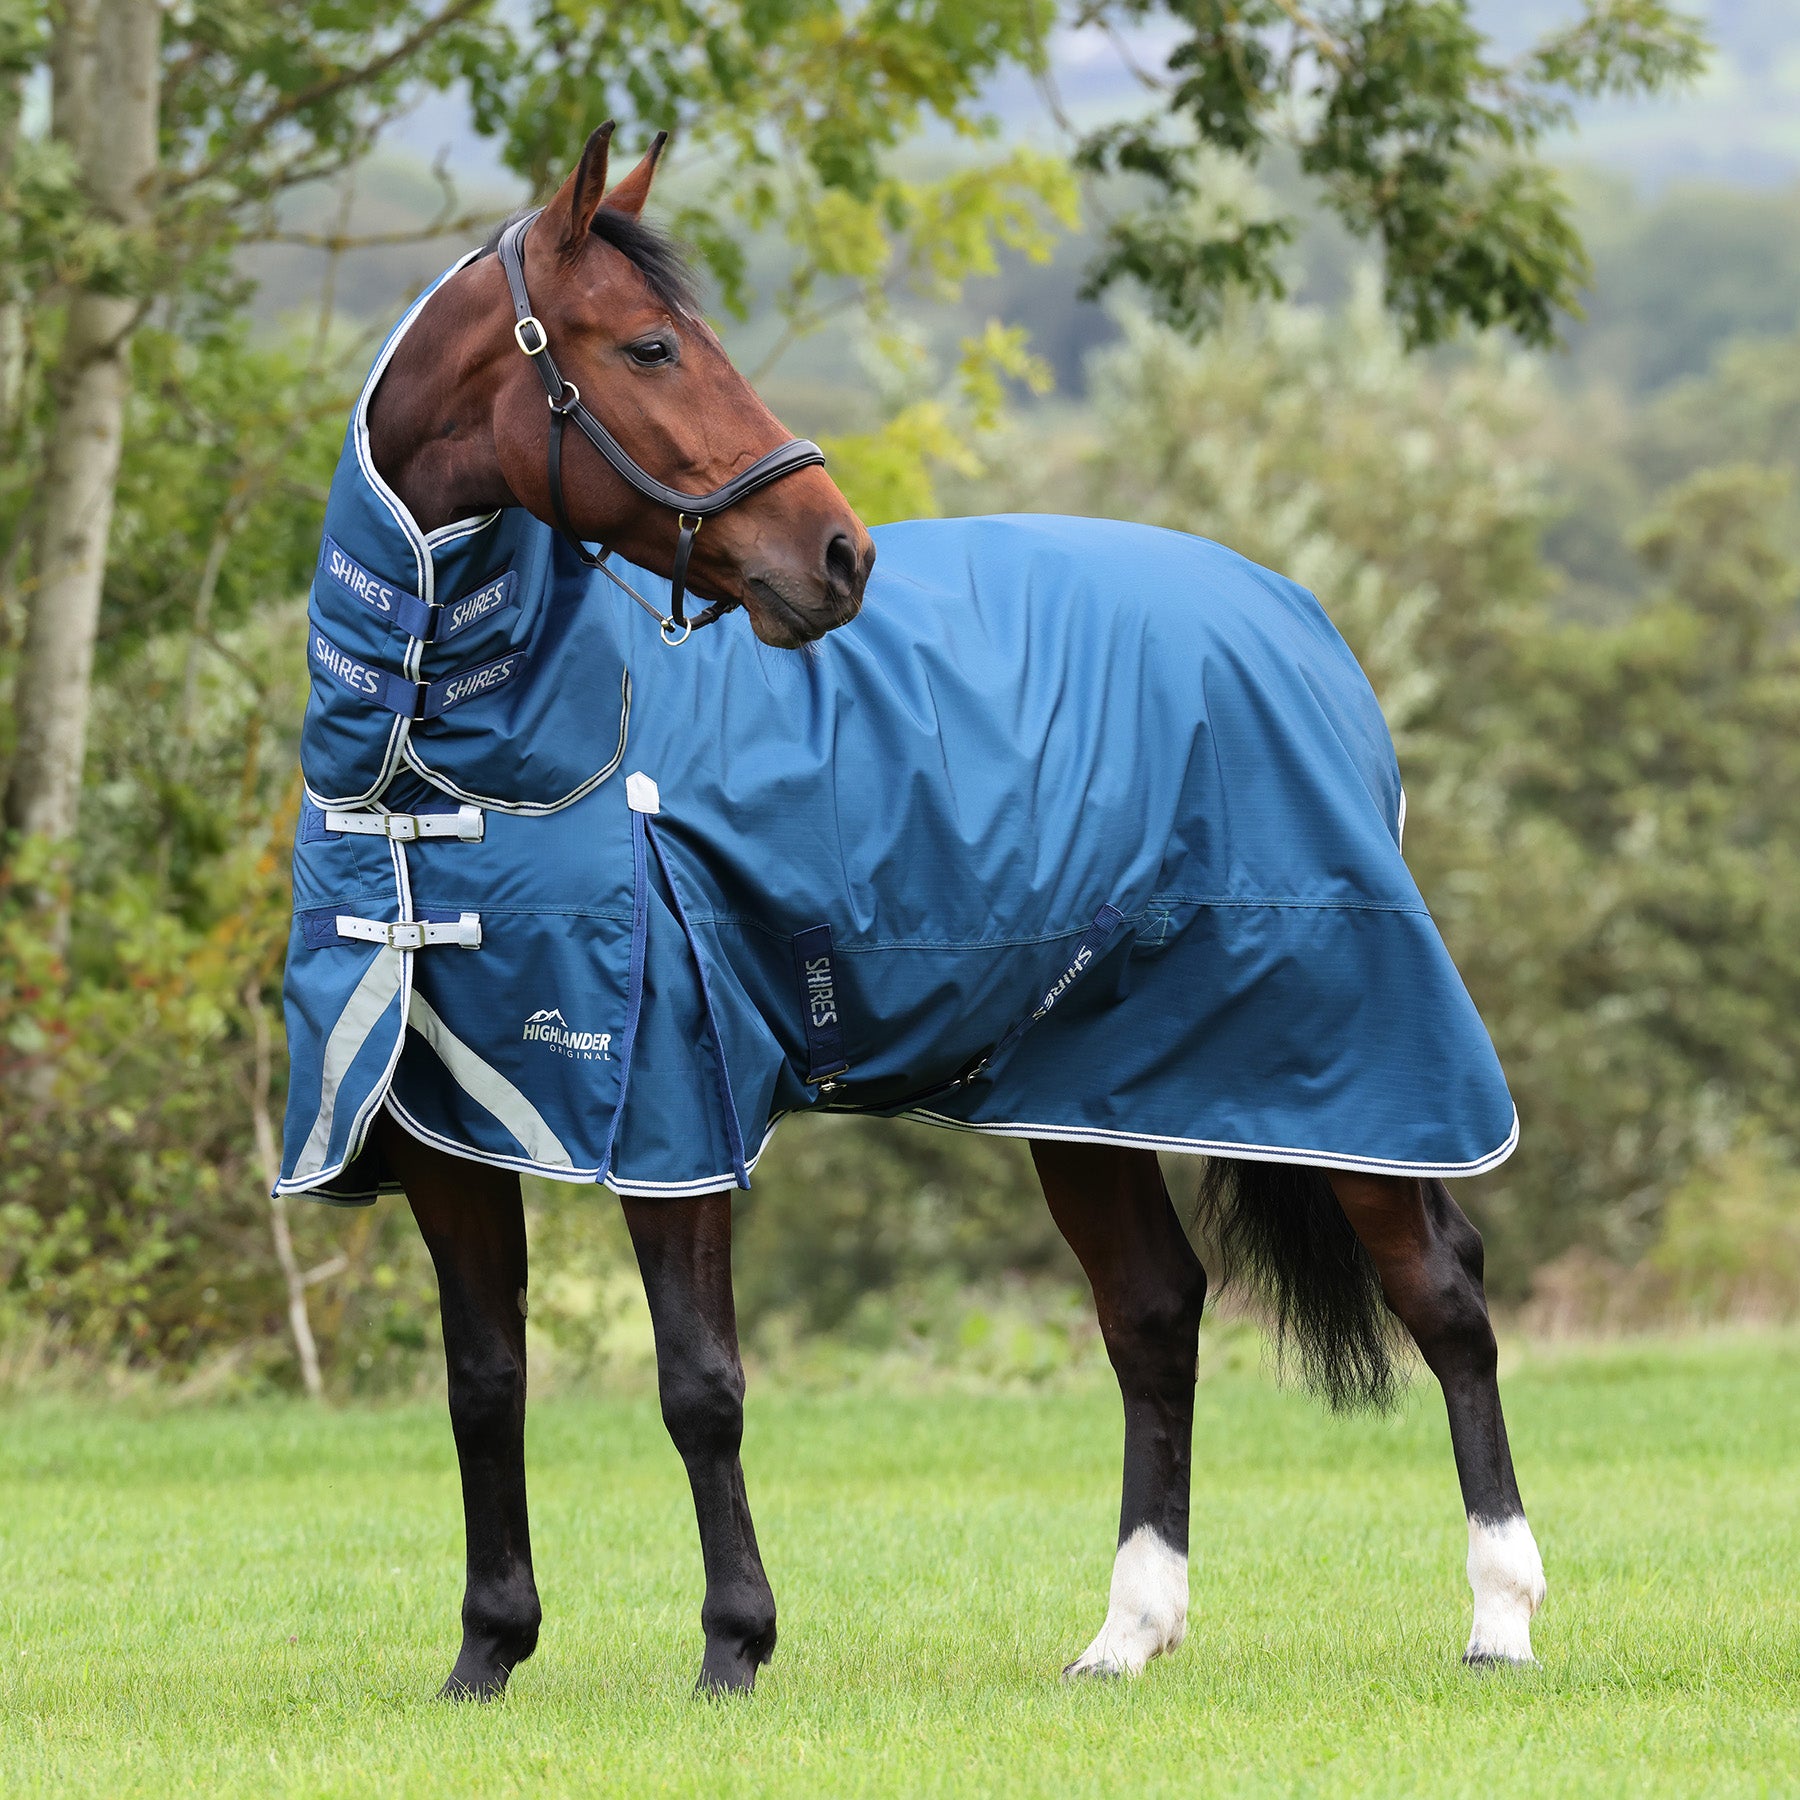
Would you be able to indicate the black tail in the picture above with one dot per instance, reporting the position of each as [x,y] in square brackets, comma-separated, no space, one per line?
[1279,1227]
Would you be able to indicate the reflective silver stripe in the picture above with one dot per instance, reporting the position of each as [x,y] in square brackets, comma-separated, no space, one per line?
[486,1086]
[362,1013]
[467,823]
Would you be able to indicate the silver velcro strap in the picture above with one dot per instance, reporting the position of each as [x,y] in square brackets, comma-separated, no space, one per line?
[468,823]
[412,934]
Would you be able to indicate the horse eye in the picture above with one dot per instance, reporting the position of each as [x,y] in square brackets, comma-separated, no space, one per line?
[650,352]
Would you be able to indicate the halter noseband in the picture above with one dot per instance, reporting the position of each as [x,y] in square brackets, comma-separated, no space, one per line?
[691,510]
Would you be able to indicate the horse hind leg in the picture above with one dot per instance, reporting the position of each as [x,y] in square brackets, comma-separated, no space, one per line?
[473,1222]
[1149,1288]
[1429,1260]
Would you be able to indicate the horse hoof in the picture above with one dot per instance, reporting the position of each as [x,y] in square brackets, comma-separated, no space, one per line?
[1095,1668]
[730,1667]
[1483,1660]
[478,1688]
[484,1667]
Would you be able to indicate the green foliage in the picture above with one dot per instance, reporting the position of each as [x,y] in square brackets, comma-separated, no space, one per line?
[1414,133]
[120,1159]
[1679,275]
[854,1206]
[134,1219]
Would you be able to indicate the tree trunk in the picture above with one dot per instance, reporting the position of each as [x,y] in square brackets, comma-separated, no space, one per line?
[12,304]
[306,1347]
[112,127]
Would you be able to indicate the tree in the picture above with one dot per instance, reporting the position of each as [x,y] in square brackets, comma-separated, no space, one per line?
[1406,125]
[106,80]
[177,130]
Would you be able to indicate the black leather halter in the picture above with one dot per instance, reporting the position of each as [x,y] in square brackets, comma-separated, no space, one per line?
[691,510]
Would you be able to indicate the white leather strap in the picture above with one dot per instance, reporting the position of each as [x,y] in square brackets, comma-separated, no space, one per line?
[413,934]
[468,823]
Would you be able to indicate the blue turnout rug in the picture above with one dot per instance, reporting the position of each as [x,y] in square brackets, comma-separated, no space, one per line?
[1080,830]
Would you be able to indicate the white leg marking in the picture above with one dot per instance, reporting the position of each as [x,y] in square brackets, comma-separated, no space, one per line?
[1507,1575]
[1146,1612]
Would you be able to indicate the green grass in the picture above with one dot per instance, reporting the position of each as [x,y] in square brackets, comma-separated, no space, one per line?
[260,1600]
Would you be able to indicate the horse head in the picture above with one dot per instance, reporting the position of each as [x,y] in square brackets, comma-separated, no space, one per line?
[460,424]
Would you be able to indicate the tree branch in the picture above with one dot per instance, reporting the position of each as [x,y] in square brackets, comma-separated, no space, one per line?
[344,81]
[1316,35]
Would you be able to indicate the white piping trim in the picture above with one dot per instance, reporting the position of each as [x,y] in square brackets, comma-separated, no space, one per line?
[459,528]
[529,809]
[647,1190]
[524,1165]
[710,1184]
[1271,1153]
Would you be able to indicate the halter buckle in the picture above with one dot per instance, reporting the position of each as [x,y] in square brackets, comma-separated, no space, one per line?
[543,337]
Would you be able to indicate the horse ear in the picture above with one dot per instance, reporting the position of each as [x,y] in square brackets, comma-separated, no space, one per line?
[578,199]
[631,193]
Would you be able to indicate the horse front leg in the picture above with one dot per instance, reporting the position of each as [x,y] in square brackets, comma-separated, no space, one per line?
[1149,1288]
[1429,1259]
[473,1223]
[684,1252]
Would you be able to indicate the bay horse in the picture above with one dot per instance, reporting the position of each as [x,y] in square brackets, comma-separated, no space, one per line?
[457,427]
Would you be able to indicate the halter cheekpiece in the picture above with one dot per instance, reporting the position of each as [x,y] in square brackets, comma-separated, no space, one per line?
[691,510]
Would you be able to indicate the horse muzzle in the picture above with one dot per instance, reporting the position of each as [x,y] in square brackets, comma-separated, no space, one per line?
[790,606]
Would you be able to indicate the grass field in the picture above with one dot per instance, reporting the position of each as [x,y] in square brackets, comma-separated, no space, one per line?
[260,1600]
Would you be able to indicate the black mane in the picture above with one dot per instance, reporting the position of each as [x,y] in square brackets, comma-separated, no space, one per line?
[648,248]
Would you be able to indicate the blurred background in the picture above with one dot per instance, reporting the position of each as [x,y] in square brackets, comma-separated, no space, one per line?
[1559,527]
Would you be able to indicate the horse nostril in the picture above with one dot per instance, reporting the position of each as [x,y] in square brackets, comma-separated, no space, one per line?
[841,566]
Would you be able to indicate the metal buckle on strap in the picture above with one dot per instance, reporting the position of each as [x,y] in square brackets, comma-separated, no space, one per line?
[537,325]
[469,823]
[412,934]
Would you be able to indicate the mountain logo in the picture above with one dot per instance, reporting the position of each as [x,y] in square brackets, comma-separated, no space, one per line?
[548,1027]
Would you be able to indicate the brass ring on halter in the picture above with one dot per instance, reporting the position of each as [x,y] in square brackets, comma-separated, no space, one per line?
[685,628]
[570,399]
